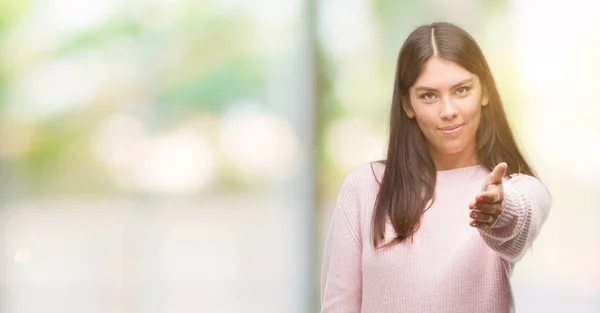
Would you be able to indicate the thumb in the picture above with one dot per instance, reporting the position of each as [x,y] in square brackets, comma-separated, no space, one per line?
[497,174]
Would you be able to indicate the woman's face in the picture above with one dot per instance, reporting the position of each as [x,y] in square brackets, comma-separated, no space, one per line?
[446,102]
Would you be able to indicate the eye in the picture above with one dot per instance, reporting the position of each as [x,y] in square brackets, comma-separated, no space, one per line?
[428,96]
[462,90]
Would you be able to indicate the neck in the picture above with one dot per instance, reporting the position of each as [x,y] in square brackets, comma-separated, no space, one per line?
[448,161]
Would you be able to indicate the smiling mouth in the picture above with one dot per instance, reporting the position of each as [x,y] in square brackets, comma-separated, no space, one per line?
[452,130]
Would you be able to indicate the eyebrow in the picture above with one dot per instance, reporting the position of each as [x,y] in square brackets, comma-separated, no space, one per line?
[462,82]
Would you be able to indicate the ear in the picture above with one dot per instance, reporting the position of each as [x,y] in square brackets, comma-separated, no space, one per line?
[407,107]
[485,100]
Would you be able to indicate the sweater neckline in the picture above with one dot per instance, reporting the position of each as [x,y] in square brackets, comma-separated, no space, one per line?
[459,171]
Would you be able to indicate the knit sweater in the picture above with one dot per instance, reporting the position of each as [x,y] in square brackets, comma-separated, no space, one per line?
[449,266]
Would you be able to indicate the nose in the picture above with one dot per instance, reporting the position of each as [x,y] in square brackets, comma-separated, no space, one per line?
[448,111]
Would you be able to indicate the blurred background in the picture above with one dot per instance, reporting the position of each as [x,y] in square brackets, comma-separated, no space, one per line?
[184,156]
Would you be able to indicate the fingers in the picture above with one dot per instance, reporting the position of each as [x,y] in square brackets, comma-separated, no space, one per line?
[488,203]
[482,220]
[488,208]
[497,174]
[480,225]
[481,217]
[491,196]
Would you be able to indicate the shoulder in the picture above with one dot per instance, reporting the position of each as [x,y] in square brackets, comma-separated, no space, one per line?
[362,182]
[359,190]
[364,174]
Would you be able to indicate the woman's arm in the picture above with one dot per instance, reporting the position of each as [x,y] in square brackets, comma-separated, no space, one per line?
[341,273]
[525,208]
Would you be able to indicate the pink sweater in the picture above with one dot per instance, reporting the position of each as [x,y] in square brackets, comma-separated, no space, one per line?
[450,266]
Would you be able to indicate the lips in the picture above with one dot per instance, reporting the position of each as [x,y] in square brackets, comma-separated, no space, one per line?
[451,127]
[451,130]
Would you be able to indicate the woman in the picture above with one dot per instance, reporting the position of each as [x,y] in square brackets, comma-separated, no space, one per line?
[439,225]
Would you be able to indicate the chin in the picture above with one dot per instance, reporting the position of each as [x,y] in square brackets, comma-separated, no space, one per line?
[452,149]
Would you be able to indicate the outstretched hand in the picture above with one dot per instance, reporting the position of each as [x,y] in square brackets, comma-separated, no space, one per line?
[487,206]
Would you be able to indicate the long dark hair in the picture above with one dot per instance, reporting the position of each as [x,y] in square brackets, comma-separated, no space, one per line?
[407,187]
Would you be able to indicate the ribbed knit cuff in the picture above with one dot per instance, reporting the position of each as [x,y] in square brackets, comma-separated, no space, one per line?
[510,207]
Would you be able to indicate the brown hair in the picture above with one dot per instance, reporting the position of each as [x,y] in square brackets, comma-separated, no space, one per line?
[409,178]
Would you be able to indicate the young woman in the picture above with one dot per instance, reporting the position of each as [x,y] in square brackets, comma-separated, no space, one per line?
[439,225]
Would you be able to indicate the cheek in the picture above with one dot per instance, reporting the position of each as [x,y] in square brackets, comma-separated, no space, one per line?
[473,118]
[427,116]
[470,109]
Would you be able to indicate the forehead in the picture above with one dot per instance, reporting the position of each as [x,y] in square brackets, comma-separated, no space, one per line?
[442,74]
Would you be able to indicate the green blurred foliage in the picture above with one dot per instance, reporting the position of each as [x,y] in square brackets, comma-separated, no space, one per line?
[217,67]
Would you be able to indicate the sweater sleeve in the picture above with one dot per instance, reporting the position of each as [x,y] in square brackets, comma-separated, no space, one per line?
[526,207]
[341,273]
